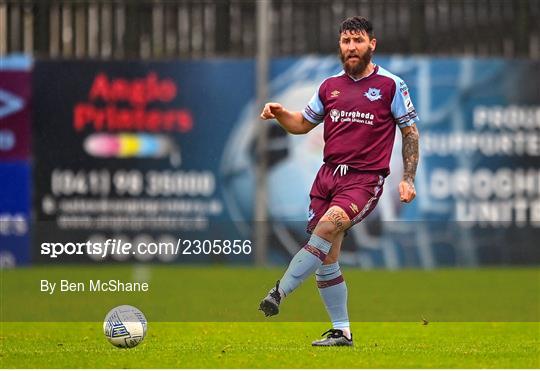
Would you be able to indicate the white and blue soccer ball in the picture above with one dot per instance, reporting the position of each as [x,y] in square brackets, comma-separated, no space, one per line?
[125,326]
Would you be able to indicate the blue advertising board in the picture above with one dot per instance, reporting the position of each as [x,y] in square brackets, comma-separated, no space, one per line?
[158,151]
[131,151]
[14,214]
[15,181]
[478,179]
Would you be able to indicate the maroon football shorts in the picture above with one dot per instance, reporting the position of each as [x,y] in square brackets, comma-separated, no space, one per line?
[356,192]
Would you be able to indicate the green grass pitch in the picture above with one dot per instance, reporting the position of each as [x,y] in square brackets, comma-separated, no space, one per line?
[206,317]
[275,345]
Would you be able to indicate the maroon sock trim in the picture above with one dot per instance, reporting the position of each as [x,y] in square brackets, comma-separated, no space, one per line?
[332,282]
[315,251]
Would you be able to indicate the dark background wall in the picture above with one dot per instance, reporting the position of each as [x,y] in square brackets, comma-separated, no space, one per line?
[210,28]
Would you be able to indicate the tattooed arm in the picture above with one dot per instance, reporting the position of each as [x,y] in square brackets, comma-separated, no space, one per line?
[410,153]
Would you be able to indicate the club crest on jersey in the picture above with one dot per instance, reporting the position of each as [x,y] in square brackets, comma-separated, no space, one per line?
[334,115]
[373,94]
[335,93]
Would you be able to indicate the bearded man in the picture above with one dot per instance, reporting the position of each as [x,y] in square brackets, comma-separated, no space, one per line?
[360,108]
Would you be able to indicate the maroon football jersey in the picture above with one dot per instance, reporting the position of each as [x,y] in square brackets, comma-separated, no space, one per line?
[360,118]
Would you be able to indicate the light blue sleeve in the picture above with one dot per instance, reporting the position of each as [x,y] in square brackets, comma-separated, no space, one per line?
[402,107]
[314,111]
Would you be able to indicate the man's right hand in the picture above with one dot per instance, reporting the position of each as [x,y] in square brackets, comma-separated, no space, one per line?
[270,110]
[292,121]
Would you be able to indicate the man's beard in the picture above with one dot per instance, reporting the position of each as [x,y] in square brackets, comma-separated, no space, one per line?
[358,67]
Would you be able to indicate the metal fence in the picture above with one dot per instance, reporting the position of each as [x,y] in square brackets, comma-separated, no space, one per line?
[225,28]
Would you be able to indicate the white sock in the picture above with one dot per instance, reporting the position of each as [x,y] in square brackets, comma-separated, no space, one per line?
[346,332]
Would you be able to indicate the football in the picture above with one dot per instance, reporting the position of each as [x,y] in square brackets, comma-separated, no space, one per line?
[125,326]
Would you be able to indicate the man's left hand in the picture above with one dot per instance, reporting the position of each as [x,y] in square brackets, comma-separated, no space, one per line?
[407,192]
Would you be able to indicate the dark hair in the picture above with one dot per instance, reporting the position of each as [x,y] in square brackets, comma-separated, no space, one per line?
[357,24]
